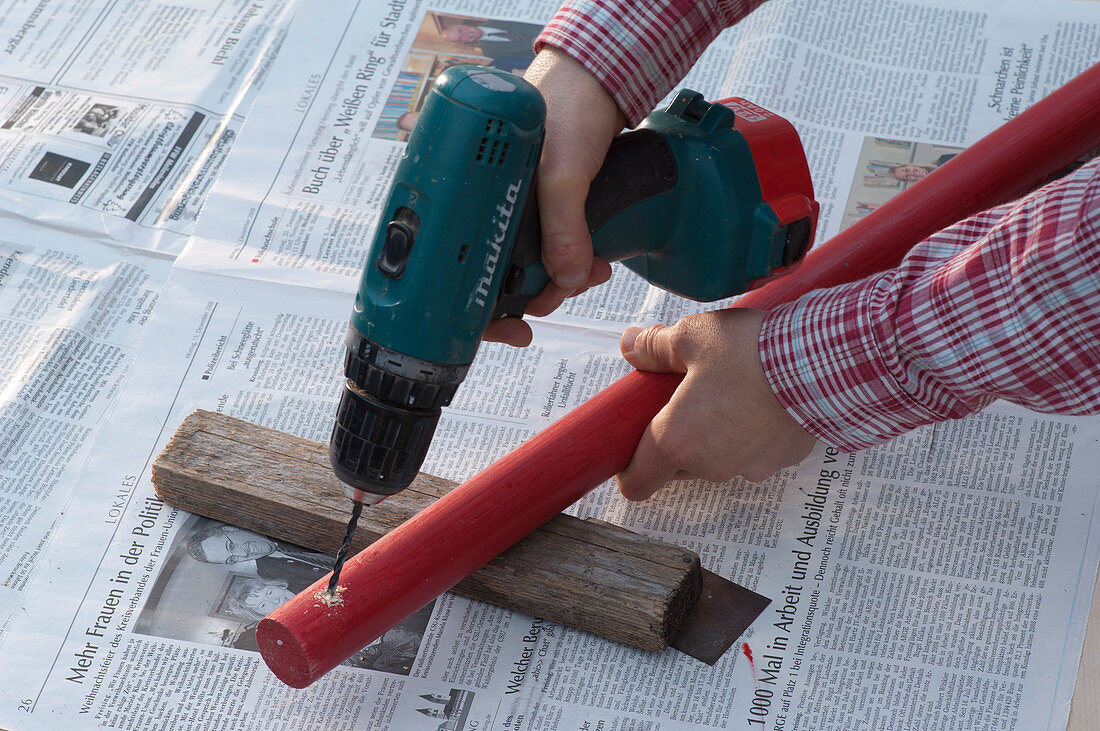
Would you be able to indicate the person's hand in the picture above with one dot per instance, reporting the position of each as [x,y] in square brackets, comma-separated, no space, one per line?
[723,420]
[581,120]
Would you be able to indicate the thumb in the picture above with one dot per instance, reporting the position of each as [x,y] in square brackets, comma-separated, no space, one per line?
[656,348]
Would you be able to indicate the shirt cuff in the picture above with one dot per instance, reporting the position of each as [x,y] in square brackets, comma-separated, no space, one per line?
[833,369]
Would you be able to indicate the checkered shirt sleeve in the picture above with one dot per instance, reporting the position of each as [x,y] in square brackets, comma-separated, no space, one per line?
[639,50]
[1003,305]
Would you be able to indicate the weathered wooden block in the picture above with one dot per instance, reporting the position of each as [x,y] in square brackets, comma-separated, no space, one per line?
[585,574]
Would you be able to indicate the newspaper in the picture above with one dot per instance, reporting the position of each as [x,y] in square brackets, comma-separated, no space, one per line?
[107,153]
[939,581]
[116,117]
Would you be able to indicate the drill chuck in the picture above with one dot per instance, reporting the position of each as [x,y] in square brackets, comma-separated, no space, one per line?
[387,414]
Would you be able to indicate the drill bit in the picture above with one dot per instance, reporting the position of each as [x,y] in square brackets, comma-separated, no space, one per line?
[342,554]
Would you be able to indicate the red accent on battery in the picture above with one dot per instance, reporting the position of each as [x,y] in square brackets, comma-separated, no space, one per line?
[781,167]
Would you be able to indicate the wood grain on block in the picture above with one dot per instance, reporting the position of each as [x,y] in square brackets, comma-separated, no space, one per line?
[590,575]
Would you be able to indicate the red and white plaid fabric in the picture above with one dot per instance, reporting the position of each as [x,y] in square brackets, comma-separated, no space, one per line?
[1003,305]
[638,50]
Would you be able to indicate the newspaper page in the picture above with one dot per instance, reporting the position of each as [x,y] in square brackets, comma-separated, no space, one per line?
[939,581]
[948,569]
[116,116]
[71,314]
[107,152]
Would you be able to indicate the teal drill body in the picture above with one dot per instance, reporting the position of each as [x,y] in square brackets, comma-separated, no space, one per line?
[679,201]
[466,174]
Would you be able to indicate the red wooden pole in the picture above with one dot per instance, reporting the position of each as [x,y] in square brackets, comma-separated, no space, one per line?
[431,552]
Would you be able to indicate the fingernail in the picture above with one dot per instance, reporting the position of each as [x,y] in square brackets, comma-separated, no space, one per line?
[570,280]
[626,342]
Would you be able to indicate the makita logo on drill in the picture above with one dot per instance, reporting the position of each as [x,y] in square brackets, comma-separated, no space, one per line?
[496,240]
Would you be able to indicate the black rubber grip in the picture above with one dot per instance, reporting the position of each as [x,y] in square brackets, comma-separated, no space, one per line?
[639,166]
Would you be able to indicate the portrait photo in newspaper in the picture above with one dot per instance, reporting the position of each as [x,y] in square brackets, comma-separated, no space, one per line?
[219,581]
[885,168]
[444,40]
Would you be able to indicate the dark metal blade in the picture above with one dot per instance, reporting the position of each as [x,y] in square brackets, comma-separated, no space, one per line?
[724,611]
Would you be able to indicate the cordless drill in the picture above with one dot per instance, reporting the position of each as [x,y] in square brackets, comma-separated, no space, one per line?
[703,200]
